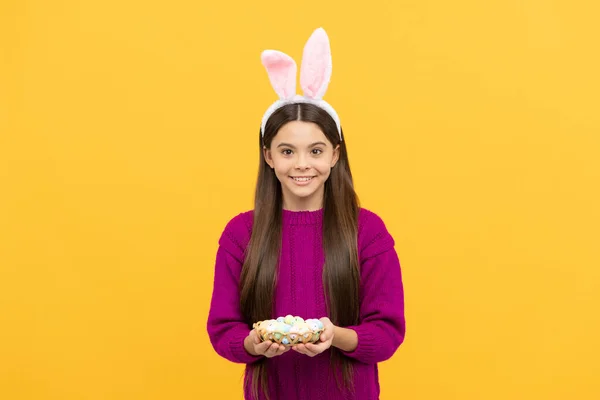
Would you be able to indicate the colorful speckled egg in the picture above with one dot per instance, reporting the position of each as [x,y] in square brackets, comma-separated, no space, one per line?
[271,326]
[313,324]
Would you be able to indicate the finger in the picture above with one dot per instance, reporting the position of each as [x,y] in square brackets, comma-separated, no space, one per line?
[261,348]
[313,350]
[296,348]
[279,349]
[272,350]
[301,348]
[255,337]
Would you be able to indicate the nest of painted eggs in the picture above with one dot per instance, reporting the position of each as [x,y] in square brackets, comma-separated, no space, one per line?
[289,330]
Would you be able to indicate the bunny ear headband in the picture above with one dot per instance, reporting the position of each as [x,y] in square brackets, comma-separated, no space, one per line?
[315,74]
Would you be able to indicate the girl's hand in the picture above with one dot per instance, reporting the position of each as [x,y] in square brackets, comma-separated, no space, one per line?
[269,349]
[324,343]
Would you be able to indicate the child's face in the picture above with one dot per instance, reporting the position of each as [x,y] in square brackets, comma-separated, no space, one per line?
[301,150]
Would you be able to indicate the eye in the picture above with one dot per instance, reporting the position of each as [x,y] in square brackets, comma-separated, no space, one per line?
[317,151]
[286,152]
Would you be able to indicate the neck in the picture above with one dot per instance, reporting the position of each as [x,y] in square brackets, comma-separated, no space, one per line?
[296,208]
[312,203]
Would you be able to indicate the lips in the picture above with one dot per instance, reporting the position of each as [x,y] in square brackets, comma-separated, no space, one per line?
[302,178]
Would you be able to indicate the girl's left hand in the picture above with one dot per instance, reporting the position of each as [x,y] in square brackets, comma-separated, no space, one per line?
[324,343]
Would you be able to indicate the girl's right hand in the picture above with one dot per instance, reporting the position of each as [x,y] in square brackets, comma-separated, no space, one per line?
[269,349]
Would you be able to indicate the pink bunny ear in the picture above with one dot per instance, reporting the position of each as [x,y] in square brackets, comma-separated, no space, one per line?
[315,71]
[282,70]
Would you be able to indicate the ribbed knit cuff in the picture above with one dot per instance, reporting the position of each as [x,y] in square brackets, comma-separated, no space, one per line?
[236,347]
[368,344]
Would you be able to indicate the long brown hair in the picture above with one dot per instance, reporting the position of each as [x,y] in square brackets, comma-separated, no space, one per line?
[340,225]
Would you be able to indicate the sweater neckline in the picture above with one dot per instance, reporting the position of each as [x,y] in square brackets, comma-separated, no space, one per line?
[305,217]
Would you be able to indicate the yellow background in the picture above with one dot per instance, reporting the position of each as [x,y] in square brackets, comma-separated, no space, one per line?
[128,138]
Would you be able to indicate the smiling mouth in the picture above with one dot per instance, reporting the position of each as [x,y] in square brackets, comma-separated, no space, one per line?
[302,178]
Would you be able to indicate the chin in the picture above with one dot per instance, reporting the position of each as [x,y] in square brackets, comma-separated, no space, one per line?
[302,193]
[305,195]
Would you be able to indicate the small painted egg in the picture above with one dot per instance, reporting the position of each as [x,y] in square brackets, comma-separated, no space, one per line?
[285,341]
[296,325]
[313,325]
[280,319]
[282,326]
[271,326]
[289,319]
[298,319]
[294,329]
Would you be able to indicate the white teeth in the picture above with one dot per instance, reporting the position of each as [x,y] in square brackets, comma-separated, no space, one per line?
[302,179]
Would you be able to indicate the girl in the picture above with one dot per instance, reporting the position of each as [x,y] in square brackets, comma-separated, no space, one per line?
[307,249]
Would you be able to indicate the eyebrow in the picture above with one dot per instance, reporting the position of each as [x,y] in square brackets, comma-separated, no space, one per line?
[293,147]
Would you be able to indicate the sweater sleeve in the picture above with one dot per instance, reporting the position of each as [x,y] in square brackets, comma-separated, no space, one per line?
[382,324]
[226,326]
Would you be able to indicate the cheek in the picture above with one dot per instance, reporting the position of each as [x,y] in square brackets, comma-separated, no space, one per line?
[324,167]
[282,166]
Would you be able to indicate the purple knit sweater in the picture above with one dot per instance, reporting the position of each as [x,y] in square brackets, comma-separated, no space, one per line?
[299,291]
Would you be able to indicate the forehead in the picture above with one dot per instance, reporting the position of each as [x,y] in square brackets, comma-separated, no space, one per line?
[300,133]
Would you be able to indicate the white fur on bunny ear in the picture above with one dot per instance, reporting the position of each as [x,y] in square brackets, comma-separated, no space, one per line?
[315,71]
[282,70]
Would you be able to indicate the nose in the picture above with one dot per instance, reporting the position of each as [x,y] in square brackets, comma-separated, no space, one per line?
[302,162]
